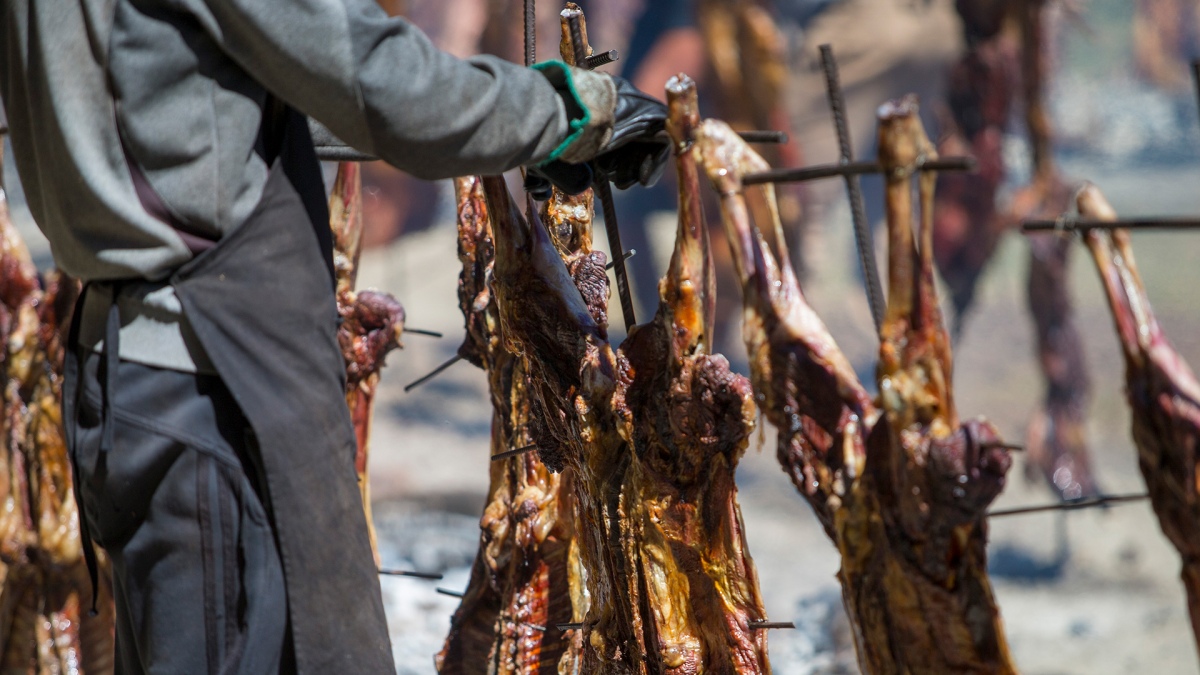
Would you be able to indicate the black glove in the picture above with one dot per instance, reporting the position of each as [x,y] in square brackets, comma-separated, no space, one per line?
[636,152]
[570,178]
[639,148]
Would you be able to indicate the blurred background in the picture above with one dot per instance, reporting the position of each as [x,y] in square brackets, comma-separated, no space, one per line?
[1083,592]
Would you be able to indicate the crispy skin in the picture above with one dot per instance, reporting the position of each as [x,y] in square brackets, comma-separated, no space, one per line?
[900,485]
[372,322]
[1162,391]
[43,577]
[648,437]
[518,589]
[690,419]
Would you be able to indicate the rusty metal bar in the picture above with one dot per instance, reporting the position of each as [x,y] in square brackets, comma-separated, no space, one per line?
[414,575]
[766,625]
[858,210]
[780,137]
[604,191]
[600,58]
[530,32]
[436,371]
[1070,506]
[421,331]
[1084,224]
[1196,77]
[513,453]
[819,171]
[626,256]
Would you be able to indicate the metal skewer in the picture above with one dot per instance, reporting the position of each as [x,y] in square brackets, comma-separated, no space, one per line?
[600,59]
[628,254]
[513,453]
[862,229]
[1084,224]
[1196,76]
[847,169]
[421,331]
[447,591]
[764,136]
[604,191]
[436,371]
[569,626]
[414,575]
[772,624]
[1070,506]
[530,32]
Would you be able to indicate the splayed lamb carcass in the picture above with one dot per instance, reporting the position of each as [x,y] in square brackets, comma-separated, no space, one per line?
[900,484]
[1162,391]
[518,593]
[647,437]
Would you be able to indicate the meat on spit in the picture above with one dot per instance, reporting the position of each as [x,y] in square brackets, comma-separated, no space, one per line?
[518,593]
[45,589]
[900,485]
[372,322]
[1007,58]
[647,437]
[1162,391]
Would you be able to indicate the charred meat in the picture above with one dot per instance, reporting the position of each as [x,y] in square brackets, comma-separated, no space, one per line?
[900,484]
[372,322]
[1162,391]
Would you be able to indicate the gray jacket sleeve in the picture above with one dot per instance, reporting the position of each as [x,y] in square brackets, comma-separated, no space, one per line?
[381,86]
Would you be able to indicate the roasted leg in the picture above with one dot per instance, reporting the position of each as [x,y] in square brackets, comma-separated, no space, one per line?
[372,322]
[900,486]
[1163,393]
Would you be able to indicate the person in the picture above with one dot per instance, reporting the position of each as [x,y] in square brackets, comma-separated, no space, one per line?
[165,153]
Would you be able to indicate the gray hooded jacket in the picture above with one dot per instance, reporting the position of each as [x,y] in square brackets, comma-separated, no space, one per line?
[175,89]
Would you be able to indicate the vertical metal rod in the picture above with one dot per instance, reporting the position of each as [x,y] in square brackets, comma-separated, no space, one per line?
[604,190]
[858,211]
[1196,77]
[530,32]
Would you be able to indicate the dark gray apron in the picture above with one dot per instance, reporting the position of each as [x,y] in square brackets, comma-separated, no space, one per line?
[262,304]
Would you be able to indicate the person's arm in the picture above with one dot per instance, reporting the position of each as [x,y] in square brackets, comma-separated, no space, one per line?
[381,86]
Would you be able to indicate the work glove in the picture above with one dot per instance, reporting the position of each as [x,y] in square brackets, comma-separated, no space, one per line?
[616,130]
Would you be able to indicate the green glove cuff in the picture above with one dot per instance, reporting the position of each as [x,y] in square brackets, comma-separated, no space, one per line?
[590,100]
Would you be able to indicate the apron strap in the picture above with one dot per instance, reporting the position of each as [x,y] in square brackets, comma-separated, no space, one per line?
[72,368]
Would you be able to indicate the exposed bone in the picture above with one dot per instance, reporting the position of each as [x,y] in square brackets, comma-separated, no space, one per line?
[900,486]
[1163,394]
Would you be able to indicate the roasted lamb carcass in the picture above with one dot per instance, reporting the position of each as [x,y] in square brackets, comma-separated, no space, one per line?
[1008,58]
[980,90]
[900,485]
[647,437]
[689,419]
[372,322]
[1162,391]
[45,589]
[518,593]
